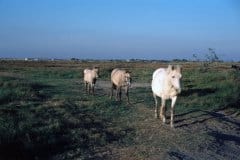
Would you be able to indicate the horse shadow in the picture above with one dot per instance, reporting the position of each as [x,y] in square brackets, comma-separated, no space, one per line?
[202,116]
[222,137]
[198,91]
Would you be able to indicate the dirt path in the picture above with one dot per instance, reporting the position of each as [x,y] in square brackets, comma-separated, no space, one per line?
[104,87]
[207,136]
[198,134]
[107,84]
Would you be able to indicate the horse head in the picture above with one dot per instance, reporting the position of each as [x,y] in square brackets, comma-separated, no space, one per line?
[174,76]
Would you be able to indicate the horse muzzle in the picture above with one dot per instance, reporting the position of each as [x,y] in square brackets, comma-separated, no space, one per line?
[178,90]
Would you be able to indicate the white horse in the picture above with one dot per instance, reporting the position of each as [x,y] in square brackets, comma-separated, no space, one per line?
[166,85]
[90,78]
[120,78]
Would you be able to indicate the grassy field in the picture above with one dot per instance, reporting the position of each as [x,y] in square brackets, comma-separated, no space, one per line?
[46,114]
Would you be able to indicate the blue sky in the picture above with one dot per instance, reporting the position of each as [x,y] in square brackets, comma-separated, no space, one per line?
[119,29]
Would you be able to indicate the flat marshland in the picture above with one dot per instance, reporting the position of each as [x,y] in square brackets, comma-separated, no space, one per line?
[46,114]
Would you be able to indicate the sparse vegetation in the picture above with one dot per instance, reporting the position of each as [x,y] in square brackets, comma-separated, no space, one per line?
[209,58]
[45,113]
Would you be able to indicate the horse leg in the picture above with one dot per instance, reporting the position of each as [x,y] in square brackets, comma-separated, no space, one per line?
[85,83]
[92,86]
[162,111]
[120,93]
[112,87]
[172,109]
[156,106]
[117,93]
[88,88]
[127,95]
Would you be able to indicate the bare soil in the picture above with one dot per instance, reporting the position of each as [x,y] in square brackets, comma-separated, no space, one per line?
[198,134]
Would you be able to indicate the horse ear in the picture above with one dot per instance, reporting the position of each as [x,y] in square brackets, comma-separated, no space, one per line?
[179,68]
[170,68]
[127,71]
[95,67]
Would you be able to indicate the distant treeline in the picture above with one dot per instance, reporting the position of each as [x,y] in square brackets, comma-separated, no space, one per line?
[106,60]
